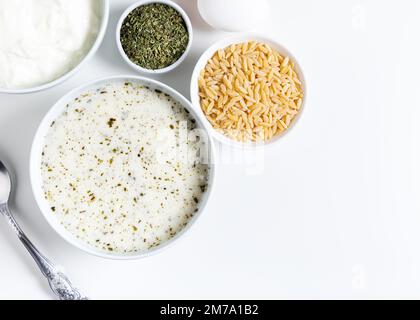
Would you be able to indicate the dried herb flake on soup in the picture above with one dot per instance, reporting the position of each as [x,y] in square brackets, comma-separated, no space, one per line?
[154,36]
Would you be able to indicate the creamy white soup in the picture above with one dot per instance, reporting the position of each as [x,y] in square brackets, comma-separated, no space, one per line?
[123,168]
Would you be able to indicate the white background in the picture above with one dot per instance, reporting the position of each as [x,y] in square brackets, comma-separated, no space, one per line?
[335,210]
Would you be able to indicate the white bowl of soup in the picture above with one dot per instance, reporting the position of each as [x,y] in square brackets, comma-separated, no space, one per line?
[122,167]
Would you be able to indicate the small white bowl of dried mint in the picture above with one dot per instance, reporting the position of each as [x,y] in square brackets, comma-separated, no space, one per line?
[154,37]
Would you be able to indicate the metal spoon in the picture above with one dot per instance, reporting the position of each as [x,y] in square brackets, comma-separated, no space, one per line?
[58,281]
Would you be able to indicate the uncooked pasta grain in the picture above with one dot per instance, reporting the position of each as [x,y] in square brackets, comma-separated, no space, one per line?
[250,92]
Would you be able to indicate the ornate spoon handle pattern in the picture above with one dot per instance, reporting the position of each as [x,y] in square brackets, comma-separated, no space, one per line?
[58,281]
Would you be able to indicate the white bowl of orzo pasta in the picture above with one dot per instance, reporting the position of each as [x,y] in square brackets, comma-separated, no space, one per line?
[249,90]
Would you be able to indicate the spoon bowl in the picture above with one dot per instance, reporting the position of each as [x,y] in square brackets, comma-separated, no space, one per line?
[5,184]
[58,281]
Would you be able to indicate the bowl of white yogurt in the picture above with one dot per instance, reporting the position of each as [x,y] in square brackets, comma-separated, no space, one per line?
[122,167]
[43,43]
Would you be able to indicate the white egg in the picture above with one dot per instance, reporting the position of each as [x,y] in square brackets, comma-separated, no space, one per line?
[234,15]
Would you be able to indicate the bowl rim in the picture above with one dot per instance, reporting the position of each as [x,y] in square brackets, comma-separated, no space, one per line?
[36,176]
[176,63]
[99,39]
[201,63]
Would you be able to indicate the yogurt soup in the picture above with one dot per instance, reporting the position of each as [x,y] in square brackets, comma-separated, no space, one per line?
[123,168]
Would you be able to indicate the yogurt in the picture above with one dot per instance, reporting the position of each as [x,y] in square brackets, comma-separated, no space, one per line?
[42,40]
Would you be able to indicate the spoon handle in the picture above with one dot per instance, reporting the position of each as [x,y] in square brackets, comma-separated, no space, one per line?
[58,281]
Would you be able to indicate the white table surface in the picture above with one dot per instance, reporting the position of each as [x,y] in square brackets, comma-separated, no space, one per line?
[332,212]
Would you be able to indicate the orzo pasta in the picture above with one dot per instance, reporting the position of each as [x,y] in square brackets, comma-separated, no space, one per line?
[250,92]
